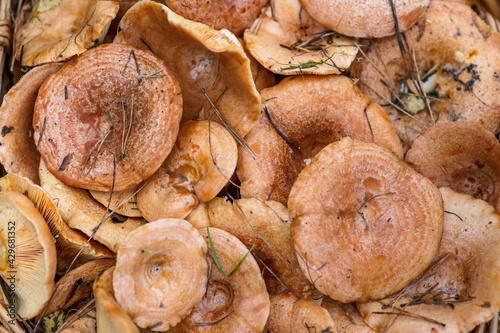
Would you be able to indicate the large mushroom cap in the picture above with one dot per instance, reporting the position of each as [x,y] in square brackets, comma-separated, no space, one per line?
[201,58]
[366,19]
[17,151]
[161,273]
[45,37]
[311,112]
[364,223]
[461,156]
[27,255]
[108,119]
[201,163]
[235,303]
[286,40]
[452,53]
[461,289]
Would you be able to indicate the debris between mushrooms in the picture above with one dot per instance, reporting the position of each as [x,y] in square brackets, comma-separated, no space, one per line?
[45,37]
[310,112]
[462,156]
[235,299]
[201,58]
[18,153]
[366,19]
[461,288]
[286,40]
[346,316]
[364,223]
[201,163]
[27,255]
[161,273]
[122,202]
[108,119]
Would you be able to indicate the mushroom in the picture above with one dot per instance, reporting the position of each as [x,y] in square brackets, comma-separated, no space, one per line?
[43,37]
[234,16]
[462,66]
[161,273]
[201,58]
[460,289]
[82,212]
[235,299]
[71,245]
[310,112]
[462,156]
[17,151]
[286,40]
[261,76]
[346,316]
[364,223]
[200,165]
[292,315]
[366,19]
[109,315]
[27,255]
[264,227]
[122,202]
[108,119]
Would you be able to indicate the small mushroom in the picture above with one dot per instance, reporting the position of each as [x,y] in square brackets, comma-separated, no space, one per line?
[69,242]
[44,37]
[364,223]
[161,273]
[286,40]
[108,119]
[366,19]
[109,315]
[235,299]
[17,151]
[462,156]
[27,255]
[82,212]
[201,163]
[201,58]
[264,227]
[310,112]
[346,316]
[122,202]
[290,314]
[460,289]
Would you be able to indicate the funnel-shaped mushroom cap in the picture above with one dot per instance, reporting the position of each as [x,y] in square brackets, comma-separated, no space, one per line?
[287,41]
[76,284]
[461,288]
[108,119]
[45,37]
[462,156]
[69,242]
[109,315]
[82,212]
[201,163]
[122,202]
[457,71]
[161,273]
[27,255]
[292,315]
[311,112]
[346,316]
[364,223]
[366,19]
[236,303]
[232,15]
[201,58]
[17,151]
[264,227]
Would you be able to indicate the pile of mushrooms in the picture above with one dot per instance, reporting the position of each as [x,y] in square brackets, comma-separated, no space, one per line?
[237,166]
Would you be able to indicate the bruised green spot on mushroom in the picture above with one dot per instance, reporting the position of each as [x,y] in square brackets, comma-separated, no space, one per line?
[6,130]
[65,162]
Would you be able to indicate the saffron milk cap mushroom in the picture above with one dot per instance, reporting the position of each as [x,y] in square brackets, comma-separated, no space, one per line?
[108,119]
[27,255]
[161,273]
[364,223]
